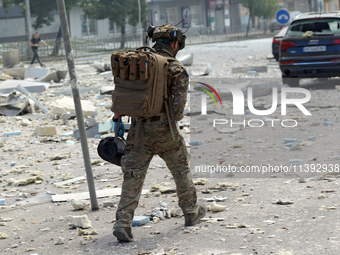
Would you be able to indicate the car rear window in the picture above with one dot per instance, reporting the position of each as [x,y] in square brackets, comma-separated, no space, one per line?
[319,26]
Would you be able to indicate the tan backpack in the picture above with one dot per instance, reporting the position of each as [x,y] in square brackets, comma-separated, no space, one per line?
[141,84]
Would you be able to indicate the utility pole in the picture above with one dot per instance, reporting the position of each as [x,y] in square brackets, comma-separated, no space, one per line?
[28,26]
[139,20]
[76,97]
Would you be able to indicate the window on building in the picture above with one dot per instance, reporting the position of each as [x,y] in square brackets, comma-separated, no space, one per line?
[291,6]
[84,29]
[196,15]
[172,15]
[111,27]
[88,26]
[92,27]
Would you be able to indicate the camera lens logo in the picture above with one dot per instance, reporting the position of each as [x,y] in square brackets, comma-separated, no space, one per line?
[204,99]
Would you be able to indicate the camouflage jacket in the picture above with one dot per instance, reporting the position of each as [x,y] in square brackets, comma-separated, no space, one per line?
[180,81]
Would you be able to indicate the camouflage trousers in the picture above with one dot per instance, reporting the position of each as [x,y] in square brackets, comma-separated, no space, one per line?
[157,140]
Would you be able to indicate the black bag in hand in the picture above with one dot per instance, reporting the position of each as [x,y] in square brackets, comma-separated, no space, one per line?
[111,151]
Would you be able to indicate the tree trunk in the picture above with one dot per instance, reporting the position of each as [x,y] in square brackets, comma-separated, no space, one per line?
[122,39]
[250,15]
[57,43]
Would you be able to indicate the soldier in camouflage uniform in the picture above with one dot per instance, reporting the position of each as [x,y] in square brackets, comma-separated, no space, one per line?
[158,140]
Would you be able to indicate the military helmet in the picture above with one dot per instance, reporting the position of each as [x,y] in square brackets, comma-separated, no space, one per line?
[170,32]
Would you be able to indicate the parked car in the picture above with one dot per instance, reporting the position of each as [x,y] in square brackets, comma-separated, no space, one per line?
[277,26]
[311,48]
[276,42]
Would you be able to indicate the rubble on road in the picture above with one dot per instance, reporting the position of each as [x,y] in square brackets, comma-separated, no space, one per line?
[80,222]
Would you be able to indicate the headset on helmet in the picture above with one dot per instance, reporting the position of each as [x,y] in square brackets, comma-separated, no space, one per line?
[167,31]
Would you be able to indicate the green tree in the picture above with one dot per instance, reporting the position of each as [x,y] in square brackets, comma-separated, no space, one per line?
[42,9]
[265,9]
[117,11]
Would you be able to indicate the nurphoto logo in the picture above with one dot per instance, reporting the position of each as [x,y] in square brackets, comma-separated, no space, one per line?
[239,104]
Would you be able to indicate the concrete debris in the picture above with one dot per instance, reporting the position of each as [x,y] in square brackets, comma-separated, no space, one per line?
[59,157]
[70,181]
[10,133]
[214,207]
[156,220]
[111,203]
[3,235]
[296,161]
[226,185]
[24,181]
[4,77]
[296,147]
[29,95]
[67,176]
[85,232]
[140,220]
[5,219]
[56,76]
[162,213]
[242,225]
[35,73]
[283,202]
[31,86]
[80,221]
[95,130]
[196,143]
[10,58]
[212,219]
[79,204]
[216,199]
[17,72]
[59,241]
[302,180]
[15,103]
[157,232]
[82,90]
[106,90]
[284,253]
[101,67]
[176,212]
[45,130]
[66,104]
[160,188]
[201,181]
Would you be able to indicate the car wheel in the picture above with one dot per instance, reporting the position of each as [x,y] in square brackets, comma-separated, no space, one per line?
[291,81]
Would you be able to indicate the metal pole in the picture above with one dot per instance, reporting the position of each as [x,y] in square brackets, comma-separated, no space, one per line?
[28,26]
[139,20]
[77,103]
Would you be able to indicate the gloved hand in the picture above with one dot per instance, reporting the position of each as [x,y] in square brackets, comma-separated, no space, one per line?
[121,128]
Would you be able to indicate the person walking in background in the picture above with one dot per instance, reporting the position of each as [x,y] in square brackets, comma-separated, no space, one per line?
[34,43]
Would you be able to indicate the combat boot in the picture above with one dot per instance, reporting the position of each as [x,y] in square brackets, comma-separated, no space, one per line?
[192,219]
[123,234]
